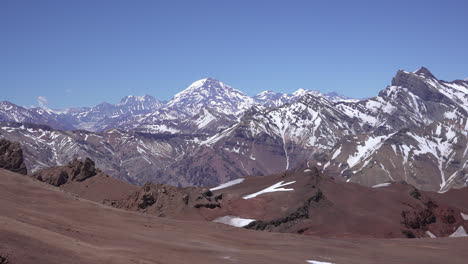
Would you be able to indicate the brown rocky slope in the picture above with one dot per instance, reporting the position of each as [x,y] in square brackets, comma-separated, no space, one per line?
[47,225]
[304,202]
[82,178]
[311,204]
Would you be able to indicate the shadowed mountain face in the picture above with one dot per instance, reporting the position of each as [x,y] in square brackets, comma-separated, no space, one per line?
[415,130]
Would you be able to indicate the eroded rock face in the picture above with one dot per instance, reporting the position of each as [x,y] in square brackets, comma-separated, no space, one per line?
[302,213]
[427,215]
[3,259]
[76,170]
[11,157]
[168,201]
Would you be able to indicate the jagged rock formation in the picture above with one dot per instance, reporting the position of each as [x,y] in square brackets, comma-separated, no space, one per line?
[11,157]
[426,215]
[76,170]
[303,212]
[3,260]
[168,201]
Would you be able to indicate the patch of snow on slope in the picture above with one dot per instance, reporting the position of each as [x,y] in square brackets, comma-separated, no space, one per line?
[464,216]
[233,221]
[205,120]
[161,128]
[460,232]
[450,115]
[382,185]
[365,150]
[274,188]
[337,152]
[429,233]
[227,184]
[439,148]
[318,262]
[216,137]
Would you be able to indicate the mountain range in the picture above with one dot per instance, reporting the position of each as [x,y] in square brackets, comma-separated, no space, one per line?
[415,130]
[137,111]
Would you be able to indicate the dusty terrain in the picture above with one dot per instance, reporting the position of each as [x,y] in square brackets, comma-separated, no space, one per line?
[40,223]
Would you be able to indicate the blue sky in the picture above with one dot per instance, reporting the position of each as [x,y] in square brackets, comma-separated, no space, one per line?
[80,53]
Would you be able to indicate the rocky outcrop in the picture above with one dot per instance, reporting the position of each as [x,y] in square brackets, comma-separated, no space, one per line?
[11,157]
[426,215]
[168,201]
[3,260]
[318,200]
[76,170]
[419,86]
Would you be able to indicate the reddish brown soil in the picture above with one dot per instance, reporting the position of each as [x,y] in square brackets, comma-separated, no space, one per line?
[318,206]
[343,209]
[42,224]
[100,188]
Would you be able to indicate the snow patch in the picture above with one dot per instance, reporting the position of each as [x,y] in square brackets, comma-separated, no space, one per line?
[318,262]
[429,233]
[206,119]
[460,232]
[227,184]
[366,150]
[382,185]
[337,152]
[464,216]
[233,221]
[274,188]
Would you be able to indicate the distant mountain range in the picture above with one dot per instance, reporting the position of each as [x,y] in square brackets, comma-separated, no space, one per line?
[415,130]
[136,111]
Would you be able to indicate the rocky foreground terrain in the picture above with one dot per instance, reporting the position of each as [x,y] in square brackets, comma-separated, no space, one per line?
[43,224]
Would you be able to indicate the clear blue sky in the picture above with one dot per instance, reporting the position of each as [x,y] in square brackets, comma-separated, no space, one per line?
[80,53]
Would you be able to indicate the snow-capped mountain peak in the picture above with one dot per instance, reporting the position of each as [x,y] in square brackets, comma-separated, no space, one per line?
[202,87]
[133,98]
[211,93]
[424,72]
[265,94]
[275,99]
[300,92]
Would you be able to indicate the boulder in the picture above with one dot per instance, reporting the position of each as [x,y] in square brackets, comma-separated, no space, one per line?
[11,157]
